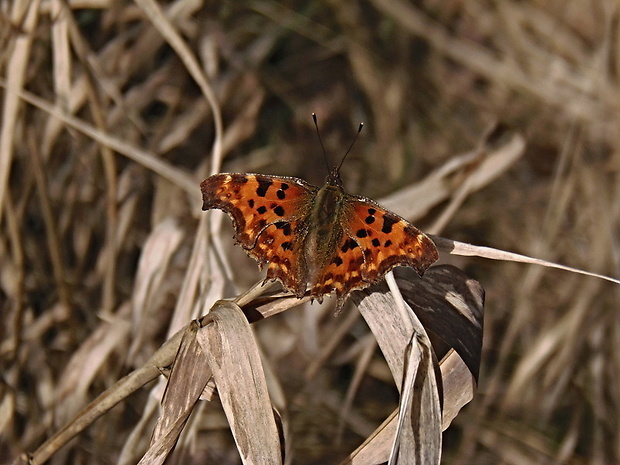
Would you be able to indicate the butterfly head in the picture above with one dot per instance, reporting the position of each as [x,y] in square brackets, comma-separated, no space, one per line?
[333,178]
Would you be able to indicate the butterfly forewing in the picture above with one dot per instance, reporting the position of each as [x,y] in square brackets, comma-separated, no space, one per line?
[387,240]
[255,201]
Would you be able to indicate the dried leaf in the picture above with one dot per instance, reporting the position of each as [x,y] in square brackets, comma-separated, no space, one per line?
[189,376]
[444,299]
[418,436]
[450,305]
[233,356]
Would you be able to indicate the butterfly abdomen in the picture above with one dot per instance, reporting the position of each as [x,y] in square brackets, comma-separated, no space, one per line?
[324,229]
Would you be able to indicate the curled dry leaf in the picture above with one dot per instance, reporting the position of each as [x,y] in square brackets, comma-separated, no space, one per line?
[449,306]
[188,378]
[418,435]
[225,350]
[232,354]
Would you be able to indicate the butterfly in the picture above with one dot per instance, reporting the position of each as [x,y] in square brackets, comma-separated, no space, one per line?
[323,240]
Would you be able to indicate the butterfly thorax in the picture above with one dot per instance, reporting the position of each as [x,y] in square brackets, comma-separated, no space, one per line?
[324,229]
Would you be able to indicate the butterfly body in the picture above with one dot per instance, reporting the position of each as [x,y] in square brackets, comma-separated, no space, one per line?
[324,230]
[322,239]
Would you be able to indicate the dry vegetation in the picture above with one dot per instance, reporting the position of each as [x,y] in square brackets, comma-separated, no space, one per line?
[102,246]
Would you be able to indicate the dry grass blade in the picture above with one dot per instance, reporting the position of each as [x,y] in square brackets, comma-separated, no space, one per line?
[470,172]
[92,357]
[186,303]
[142,157]
[486,64]
[153,269]
[62,54]
[497,151]
[53,241]
[232,353]
[28,12]
[155,13]
[108,399]
[469,250]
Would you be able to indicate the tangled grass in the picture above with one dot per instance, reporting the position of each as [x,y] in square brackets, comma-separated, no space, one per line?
[113,112]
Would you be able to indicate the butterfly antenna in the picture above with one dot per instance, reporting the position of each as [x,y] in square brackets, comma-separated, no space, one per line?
[351,146]
[318,133]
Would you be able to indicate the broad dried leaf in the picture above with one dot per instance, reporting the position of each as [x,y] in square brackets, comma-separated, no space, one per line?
[459,386]
[450,305]
[188,378]
[418,436]
[458,390]
[443,292]
[233,356]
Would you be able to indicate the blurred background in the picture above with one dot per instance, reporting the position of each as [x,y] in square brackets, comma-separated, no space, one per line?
[99,212]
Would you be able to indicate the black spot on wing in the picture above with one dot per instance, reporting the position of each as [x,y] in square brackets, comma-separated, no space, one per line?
[388,222]
[285,227]
[370,219]
[263,187]
[279,210]
[262,209]
[350,244]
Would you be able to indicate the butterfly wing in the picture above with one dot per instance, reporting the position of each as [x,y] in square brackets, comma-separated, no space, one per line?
[373,241]
[268,215]
[343,273]
[280,245]
[387,240]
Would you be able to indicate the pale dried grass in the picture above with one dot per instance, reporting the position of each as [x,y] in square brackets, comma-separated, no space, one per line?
[112,114]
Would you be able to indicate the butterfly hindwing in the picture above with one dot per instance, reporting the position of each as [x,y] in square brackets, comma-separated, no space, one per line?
[373,242]
[343,273]
[280,245]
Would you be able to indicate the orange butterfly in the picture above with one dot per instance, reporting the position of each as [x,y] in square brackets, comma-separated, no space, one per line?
[323,238]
